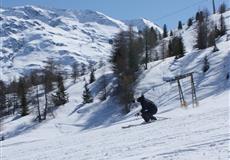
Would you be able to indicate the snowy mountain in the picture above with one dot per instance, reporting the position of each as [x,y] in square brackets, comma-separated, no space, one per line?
[94,131]
[30,35]
[142,23]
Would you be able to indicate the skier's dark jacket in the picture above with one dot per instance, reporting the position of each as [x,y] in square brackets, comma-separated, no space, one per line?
[147,105]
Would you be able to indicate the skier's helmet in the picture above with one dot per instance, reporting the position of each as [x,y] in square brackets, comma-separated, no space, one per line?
[141,98]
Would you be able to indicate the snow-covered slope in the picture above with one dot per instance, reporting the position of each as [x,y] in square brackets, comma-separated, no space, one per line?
[188,134]
[31,34]
[94,131]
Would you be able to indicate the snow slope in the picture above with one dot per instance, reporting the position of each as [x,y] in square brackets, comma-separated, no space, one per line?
[35,34]
[191,134]
[94,131]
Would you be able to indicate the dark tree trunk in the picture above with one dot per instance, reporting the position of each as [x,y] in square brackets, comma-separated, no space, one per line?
[38,107]
[46,105]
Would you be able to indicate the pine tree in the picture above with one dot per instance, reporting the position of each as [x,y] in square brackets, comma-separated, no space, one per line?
[34,78]
[13,87]
[181,48]
[92,76]
[146,39]
[103,94]
[170,49]
[150,41]
[118,59]
[47,85]
[171,33]
[49,75]
[222,26]
[60,97]
[197,15]
[125,60]
[22,92]
[206,64]
[38,105]
[2,97]
[139,46]
[200,16]
[130,74]
[153,38]
[189,22]
[163,49]
[217,31]
[75,72]
[206,13]
[159,36]
[227,76]
[202,33]
[134,52]
[222,8]
[211,38]
[165,31]
[87,97]
[176,47]
[180,25]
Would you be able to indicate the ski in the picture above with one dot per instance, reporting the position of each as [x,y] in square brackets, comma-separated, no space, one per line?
[144,123]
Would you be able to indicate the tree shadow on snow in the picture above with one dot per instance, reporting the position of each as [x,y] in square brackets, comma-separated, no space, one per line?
[22,129]
[107,113]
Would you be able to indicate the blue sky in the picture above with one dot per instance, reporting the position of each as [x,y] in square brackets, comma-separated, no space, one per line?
[159,11]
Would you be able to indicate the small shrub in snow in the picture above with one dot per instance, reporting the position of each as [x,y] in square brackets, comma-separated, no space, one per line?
[206,64]
[227,76]
[87,97]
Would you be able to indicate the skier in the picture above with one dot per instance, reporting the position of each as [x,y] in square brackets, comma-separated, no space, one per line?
[148,108]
